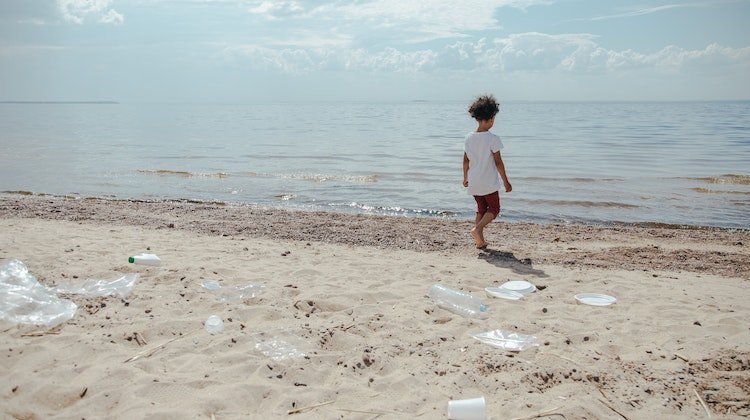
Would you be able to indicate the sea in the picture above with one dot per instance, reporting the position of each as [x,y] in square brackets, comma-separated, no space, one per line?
[654,163]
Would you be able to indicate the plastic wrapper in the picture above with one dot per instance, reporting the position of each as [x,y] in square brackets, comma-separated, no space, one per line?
[507,340]
[23,300]
[120,287]
[279,346]
[232,292]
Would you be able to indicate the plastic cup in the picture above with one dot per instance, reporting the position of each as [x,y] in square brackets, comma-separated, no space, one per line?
[470,409]
[214,324]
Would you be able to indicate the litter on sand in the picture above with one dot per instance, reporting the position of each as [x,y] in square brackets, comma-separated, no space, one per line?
[23,300]
[595,299]
[278,346]
[120,287]
[500,292]
[507,340]
[232,292]
[519,286]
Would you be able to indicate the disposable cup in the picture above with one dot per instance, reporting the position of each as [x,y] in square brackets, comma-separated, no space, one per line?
[214,324]
[470,409]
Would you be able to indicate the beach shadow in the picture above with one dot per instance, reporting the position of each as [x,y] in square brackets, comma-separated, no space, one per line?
[504,259]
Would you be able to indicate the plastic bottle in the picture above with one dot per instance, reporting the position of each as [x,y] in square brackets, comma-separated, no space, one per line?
[145,259]
[214,324]
[458,302]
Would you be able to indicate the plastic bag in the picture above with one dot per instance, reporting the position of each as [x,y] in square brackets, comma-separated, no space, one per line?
[120,287]
[23,300]
[280,346]
[507,340]
[231,293]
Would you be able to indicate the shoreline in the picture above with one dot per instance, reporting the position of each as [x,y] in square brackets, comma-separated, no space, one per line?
[519,243]
[351,293]
[408,213]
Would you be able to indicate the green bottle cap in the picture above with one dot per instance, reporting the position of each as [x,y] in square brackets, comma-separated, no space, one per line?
[131,260]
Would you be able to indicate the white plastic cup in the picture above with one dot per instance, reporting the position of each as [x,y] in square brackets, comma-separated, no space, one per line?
[470,409]
[214,324]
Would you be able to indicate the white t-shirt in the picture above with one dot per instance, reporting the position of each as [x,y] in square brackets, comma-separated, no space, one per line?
[483,176]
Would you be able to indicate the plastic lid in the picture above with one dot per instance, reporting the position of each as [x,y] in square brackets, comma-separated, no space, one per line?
[131,260]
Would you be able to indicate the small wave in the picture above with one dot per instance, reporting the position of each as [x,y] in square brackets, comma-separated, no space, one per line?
[710,191]
[18,192]
[726,179]
[285,197]
[354,179]
[394,210]
[575,179]
[581,203]
[185,174]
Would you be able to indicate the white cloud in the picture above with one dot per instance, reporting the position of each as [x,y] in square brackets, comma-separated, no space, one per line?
[80,11]
[432,19]
[32,21]
[525,52]
[300,61]
[656,9]
[112,17]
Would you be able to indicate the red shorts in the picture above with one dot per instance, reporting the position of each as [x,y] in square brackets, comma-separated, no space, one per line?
[488,203]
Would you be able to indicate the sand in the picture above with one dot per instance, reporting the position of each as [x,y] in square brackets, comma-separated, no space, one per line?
[350,293]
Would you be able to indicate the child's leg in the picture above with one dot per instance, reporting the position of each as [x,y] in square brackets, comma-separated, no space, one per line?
[476,232]
[492,202]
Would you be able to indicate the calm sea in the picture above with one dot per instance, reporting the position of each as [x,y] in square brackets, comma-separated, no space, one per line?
[672,163]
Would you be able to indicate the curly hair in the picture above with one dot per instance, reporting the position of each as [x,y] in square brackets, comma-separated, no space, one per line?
[484,108]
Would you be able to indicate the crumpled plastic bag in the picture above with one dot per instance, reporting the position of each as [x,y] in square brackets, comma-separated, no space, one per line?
[232,292]
[120,287]
[507,340]
[279,346]
[23,300]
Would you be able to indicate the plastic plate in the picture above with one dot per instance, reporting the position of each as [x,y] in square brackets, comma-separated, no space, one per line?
[503,293]
[595,299]
[519,286]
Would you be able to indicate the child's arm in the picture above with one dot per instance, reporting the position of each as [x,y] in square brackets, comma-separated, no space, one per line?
[501,170]
[466,170]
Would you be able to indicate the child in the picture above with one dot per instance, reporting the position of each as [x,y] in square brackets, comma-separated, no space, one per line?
[482,164]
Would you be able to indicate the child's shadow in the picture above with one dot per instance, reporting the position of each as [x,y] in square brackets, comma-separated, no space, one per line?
[504,259]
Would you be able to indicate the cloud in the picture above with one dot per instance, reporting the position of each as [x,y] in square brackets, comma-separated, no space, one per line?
[656,9]
[301,61]
[32,21]
[525,52]
[80,11]
[430,19]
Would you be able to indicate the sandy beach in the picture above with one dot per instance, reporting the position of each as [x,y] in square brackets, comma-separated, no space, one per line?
[348,293]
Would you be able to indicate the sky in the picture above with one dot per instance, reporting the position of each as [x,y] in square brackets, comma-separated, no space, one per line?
[373,50]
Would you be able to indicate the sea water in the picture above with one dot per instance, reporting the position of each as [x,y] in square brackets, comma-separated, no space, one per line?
[655,162]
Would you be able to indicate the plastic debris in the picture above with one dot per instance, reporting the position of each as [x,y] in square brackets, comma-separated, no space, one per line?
[23,300]
[120,287]
[278,347]
[209,284]
[507,340]
[457,301]
[214,324]
[145,259]
[232,293]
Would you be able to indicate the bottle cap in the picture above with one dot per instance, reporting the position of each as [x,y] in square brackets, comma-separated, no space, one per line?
[131,260]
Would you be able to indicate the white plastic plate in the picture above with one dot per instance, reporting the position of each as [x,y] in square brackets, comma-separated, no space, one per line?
[503,293]
[595,299]
[519,286]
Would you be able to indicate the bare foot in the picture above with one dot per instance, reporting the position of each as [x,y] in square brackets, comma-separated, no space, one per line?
[483,245]
[478,238]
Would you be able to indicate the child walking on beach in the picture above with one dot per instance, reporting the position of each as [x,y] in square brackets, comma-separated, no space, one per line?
[482,164]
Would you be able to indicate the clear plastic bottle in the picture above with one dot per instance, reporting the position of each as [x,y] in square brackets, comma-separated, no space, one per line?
[214,324]
[145,259]
[458,302]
